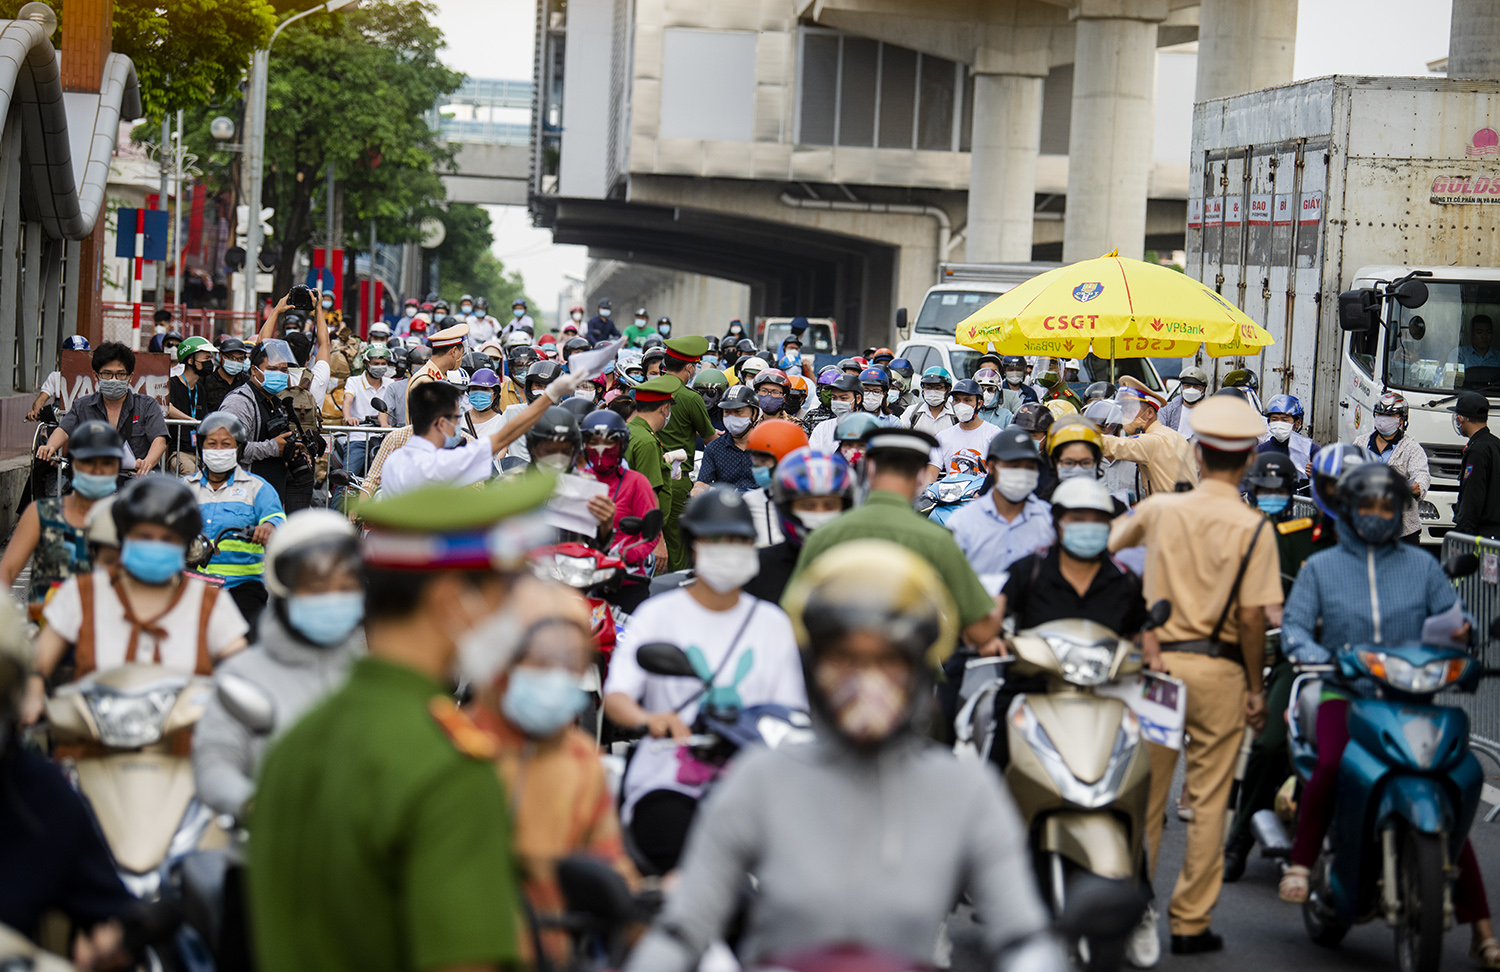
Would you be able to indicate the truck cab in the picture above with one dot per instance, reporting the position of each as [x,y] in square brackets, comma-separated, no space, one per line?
[1427,354]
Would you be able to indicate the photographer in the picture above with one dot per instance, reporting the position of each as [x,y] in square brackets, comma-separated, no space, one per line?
[274,451]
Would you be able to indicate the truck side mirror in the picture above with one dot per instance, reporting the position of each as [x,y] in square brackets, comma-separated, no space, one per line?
[1359,310]
[901,319]
[1410,293]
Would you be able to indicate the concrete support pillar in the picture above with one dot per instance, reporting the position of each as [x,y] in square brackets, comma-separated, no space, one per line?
[1110,139]
[1244,45]
[1002,166]
[1474,41]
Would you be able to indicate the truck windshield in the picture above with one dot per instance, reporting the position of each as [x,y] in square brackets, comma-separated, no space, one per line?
[1447,343]
[818,339]
[942,310]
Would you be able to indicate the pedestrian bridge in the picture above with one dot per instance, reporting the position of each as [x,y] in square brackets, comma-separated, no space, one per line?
[493,157]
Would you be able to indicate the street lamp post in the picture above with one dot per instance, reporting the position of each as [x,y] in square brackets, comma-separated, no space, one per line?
[255,147]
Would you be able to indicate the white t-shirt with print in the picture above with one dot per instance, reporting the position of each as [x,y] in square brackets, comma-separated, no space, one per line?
[178,650]
[954,439]
[764,668]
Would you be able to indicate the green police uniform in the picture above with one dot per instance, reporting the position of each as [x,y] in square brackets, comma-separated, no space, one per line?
[888,516]
[688,423]
[643,454]
[380,833]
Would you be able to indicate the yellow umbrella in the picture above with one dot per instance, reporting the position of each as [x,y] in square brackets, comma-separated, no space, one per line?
[1252,340]
[1111,297]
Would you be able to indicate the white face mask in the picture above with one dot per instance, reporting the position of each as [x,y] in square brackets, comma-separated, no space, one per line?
[935,397]
[1016,484]
[1457,428]
[587,394]
[1015,377]
[485,649]
[963,412]
[870,402]
[640,322]
[1387,424]
[726,566]
[1191,394]
[578,315]
[814,520]
[893,395]
[220,460]
[1281,431]
[556,463]
[736,425]
[840,408]
[989,398]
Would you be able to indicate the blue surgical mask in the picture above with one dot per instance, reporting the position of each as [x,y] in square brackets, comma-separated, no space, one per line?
[326,619]
[542,701]
[481,400]
[1272,503]
[152,561]
[663,329]
[1085,540]
[93,487]
[1375,530]
[709,361]
[273,382]
[762,476]
[518,312]
[233,367]
[770,404]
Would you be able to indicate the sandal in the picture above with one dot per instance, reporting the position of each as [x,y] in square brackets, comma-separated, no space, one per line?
[1294,886]
[1486,953]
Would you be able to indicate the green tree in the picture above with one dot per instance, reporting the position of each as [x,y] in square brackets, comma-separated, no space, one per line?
[467,265]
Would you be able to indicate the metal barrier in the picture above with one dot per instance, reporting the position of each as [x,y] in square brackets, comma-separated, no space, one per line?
[187,321]
[179,439]
[1481,595]
[1304,507]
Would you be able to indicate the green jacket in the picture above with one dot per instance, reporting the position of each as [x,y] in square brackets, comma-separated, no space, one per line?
[380,836]
[635,335]
[688,421]
[643,452]
[888,516]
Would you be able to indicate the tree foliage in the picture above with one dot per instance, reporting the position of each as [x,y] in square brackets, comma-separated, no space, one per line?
[467,264]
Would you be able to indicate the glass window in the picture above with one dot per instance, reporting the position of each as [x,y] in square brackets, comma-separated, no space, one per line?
[917,355]
[820,79]
[964,363]
[1363,346]
[857,92]
[898,84]
[1448,342]
[942,311]
[935,104]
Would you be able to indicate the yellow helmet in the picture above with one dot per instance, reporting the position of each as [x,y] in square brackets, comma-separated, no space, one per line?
[874,584]
[1074,428]
[1060,407]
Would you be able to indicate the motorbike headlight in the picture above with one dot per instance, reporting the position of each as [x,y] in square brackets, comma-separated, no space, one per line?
[1403,676]
[1083,664]
[129,721]
[779,732]
[1069,786]
[951,492]
[573,571]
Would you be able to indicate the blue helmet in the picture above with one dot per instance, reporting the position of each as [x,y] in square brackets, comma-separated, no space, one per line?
[900,366]
[937,375]
[76,343]
[604,422]
[1327,466]
[804,472]
[875,376]
[1284,405]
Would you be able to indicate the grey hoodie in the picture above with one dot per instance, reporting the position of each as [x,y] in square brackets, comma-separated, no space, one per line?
[848,848]
[296,675]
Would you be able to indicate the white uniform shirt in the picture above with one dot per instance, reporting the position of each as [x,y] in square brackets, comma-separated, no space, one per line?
[357,398]
[482,328]
[420,463]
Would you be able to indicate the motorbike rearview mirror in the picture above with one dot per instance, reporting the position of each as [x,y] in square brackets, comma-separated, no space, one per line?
[199,552]
[1410,293]
[651,524]
[591,887]
[1101,909]
[247,702]
[1417,328]
[900,318]
[1461,565]
[1359,310]
[629,524]
[378,404]
[1160,613]
[660,658]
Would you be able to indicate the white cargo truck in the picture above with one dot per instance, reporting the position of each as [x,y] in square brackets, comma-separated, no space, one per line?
[1385,191]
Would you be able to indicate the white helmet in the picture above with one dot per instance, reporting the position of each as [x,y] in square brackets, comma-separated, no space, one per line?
[518,339]
[302,532]
[99,524]
[1083,493]
[380,327]
[458,377]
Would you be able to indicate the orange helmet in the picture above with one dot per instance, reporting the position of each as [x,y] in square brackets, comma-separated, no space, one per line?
[796,381]
[776,436]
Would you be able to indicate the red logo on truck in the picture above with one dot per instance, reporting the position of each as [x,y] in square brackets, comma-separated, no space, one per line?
[1485,142]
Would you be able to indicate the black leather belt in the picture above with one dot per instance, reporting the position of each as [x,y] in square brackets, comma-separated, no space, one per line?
[1205,646]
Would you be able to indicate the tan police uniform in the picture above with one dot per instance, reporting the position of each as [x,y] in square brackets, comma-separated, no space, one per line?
[441,341]
[1163,457]
[1195,543]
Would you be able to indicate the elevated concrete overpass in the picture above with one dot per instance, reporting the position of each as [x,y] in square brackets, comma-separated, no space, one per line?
[494,157]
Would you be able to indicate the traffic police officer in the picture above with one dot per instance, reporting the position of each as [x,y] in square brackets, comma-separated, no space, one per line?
[1163,458]
[689,421]
[1214,558]
[447,354]
[1478,509]
[654,399]
[380,835]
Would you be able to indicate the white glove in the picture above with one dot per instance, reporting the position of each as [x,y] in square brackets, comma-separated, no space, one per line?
[676,455]
[563,386]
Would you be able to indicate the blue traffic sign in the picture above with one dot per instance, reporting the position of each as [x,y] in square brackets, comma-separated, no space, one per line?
[155,232]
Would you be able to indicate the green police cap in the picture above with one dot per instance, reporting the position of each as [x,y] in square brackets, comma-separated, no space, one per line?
[689,348]
[657,389]
[458,528]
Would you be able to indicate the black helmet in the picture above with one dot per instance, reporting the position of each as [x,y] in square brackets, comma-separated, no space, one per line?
[654,341]
[543,373]
[1273,471]
[968,386]
[481,304]
[746,346]
[557,424]
[740,396]
[575,344]
[847,382]
[1012,361]
[578,406]
[1013,443]
[1034,417]
[713,343]
[96,440]
[418,356]
[719,512]
[521,358]
[474,360]
[604,302]
[231,344]
[163,500]
[445,322]
[1368,481]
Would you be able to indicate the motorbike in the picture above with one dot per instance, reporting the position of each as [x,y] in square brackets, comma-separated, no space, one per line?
[594,574]
[1408,790]
[1077,769]
[123,735]
[940,500]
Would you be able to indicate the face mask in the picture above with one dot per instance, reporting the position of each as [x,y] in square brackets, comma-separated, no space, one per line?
[1085,540]
[542,701]
[1272,503]
[328,305]
[963,412]
[1016,484]
[663,329]
[587,394]
[734,329]
[935,397]
[762,476]
[1375,530]
[709,361]
[518,312]
[867,705]
[114,389]
[725,567]
[870,402]
[481,400]
[485,649]
[604,458]
[161,329]
[814,520]
[377,371]
[1387,424]
[93,487]
[466,308]
[152,561]
[1191,394]
[1280,431]
[274,382]
[640,322]
[578,315]
[840,408]
[768,404]
[555,463]
[1015,377]
[220,460]
[1458,429]
[326,619]
[736,424]
[893,395]
[604,312]
[990,397]
[1065,473]
[232,367]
